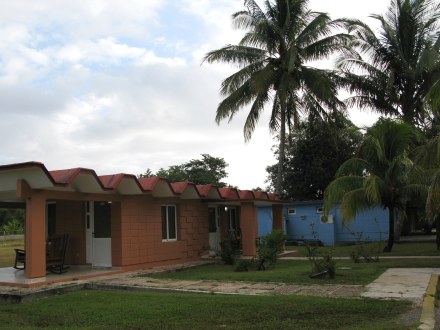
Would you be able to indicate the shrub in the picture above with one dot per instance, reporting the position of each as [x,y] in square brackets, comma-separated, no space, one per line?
[13,227]
[243,265]
[270,245]
[227,253]
[321,264]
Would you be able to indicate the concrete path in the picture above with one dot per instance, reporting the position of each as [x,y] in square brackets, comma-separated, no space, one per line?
[401,283]
[142,281]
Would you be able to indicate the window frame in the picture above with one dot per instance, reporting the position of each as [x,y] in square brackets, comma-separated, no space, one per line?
[291,211]
[165,217]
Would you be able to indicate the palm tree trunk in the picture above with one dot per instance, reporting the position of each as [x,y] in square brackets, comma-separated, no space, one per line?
[389,246]
[281,151]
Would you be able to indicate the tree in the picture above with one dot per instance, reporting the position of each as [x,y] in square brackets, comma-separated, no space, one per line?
[313,155]
[208,170]
[272,59]
[380,175]
[174,173]
[395,71]
[147,174]
[428,156]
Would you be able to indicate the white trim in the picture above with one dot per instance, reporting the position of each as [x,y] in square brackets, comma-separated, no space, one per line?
[168,222]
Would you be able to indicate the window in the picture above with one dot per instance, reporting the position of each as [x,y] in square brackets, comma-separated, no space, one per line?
[320,210]
[169,223]
[291,211]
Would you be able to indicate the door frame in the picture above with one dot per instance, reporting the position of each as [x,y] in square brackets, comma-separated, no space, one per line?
[98,250]
[214,237]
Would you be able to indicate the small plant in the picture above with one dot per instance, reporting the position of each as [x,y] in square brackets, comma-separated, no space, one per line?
[270,245]
[322,265]
[228,254]
[243,265]
[364,247]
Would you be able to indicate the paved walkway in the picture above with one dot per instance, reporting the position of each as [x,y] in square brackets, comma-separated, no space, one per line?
[401,283]
[395,283]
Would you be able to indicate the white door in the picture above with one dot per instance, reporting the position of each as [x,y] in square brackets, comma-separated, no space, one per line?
[98,234]
[214,231]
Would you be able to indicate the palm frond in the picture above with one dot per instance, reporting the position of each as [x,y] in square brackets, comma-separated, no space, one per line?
[354,202]
[354,166]
[336,190]
[373,189]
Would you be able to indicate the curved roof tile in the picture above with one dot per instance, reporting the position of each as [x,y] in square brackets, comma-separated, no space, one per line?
[85,180]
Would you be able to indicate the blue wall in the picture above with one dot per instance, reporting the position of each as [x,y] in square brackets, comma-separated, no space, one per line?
[265,220]
[299,225]
[370,225]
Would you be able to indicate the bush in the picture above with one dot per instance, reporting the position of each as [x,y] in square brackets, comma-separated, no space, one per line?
[227,254]
[13,227]
[243,265]
[271,245]
[321,264]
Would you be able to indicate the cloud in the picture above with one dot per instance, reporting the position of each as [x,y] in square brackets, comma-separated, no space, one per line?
[118,86]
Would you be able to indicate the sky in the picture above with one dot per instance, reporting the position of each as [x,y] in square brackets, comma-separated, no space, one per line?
[119,86]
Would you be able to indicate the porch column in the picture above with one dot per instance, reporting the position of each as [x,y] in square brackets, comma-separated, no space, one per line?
[249,228]
[35,236]
[277,214]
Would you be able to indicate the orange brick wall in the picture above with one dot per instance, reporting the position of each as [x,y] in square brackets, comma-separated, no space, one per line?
[137,231]
[140,232]
[70,220]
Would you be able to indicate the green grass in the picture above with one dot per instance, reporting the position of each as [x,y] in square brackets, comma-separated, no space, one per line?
[399,249]
[90,309]
[7,253]
[298,271]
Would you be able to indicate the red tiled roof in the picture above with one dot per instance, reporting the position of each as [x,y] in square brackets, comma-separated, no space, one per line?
[111,181]
[179,187]
[246,194]
[229,193]
[67,177]
[148,184]
[204,189]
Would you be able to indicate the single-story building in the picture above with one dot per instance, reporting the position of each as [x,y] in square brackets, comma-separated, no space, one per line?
[128,222]
[306,221]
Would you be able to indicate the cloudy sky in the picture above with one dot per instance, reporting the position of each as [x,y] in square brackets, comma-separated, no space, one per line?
[118,86]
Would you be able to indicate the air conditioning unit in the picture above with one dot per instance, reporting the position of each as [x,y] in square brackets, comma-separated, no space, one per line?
[326,218]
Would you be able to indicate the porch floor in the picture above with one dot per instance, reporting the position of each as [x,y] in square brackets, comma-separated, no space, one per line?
[10,276]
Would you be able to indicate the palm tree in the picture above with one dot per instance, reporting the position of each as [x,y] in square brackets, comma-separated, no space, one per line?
[379,176]
[272,59]
[392,72]
[428,156]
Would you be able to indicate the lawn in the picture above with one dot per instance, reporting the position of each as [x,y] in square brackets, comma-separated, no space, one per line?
[399,249]
[298,271]
[92,309]
[7,253]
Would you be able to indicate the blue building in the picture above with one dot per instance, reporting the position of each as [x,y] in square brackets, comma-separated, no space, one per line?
[306,221]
